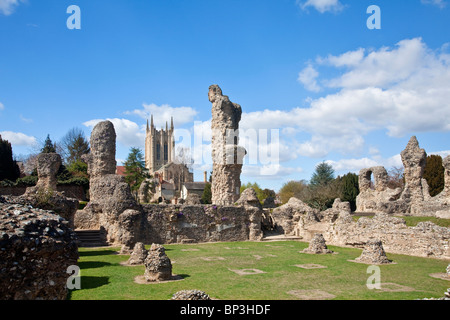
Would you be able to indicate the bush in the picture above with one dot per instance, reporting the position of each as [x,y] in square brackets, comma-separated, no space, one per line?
[27,181]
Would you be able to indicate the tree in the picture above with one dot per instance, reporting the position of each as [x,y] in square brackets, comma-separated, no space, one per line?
[207,194]
[350,189]
[135,170]
[434,174]
[49,146]
[9,170]
[291,189]
[74,145]
[323,175]
[396,177]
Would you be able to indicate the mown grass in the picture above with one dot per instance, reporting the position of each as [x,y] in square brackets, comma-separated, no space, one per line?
[104,278]
[413,221]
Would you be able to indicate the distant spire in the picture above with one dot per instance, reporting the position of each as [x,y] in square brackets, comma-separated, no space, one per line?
[147,126]
[167,127]
[171,123]
[152,126]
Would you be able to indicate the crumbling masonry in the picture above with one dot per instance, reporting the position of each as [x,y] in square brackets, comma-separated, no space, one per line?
[226,154]
[414,198]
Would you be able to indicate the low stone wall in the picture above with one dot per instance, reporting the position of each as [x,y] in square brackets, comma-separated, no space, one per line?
[70,191]
[195,223]
[424,240]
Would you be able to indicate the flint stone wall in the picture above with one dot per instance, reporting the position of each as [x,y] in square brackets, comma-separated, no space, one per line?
[36,248]
[424,240]
[196,223]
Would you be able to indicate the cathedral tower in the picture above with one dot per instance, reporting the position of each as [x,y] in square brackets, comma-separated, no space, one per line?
[159,146]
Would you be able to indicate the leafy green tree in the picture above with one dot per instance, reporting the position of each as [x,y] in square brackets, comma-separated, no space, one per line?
[323,175]
[291,189]
[49,146]
[207,194]
[78,169]
[74,145]
[9,170]
[434,174]
[350,189]
[135,170]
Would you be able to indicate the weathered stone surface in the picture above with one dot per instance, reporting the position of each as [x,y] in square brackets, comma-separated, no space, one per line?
[227,156]
[138,255]
[36,248]
[424,240]
[102,158]
[253,208]
[193,199]
[111,206]
[205,223]
[380,198]
[414,198]
[190,295]
[373,253]
[158,266]
[47,167]
[287,216]
[48,199]
[317,245]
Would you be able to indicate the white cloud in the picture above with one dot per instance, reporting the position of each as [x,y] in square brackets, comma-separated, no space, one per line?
[7,7]
[128,132]
[26,120]
[2,107]
[402,90]
[18,138]
[439,3]
[321,5]
[308,77]
[163,113]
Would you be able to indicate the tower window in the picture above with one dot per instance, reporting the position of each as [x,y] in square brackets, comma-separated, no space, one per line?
[158,151]
[166,152]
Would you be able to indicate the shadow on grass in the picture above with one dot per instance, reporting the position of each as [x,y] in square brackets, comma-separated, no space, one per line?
[97,253]
[90,283]
[92,264]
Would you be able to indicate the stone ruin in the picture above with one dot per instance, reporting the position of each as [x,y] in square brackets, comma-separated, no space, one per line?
[413,198]
[226,154]
[37,247]
[111,206]
[253,208]
[138,255]
[113,209]
[373,253]
[190,295]
[338,228]
[317,245]
[45,195]
[158,266]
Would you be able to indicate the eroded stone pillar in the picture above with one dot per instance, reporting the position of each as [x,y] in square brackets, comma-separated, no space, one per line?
[414,161]
[47,167]
[226,154]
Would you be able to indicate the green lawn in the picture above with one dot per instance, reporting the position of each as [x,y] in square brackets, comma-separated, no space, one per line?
[104,278]
[413,221]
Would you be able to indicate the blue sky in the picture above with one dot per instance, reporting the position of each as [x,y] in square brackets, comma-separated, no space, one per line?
[311,69]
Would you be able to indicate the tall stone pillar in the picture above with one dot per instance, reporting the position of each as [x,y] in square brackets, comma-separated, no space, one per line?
[226,154]
[414,160]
